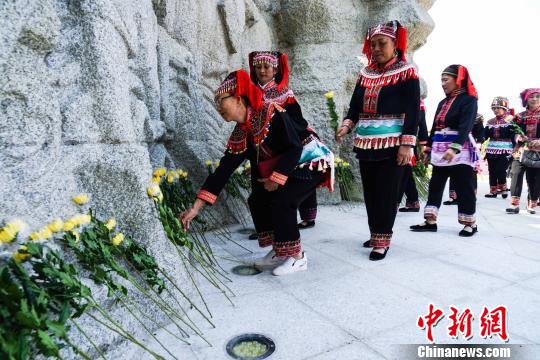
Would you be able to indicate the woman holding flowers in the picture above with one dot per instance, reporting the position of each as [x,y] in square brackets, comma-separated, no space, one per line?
[287,158]
[385,108]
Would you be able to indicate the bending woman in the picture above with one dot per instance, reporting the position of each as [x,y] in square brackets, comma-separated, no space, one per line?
[288,163]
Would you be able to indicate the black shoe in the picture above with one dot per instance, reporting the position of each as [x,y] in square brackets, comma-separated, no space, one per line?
[466,233]
[504,195]
[424,227]
[253,236]
[307,225]
[375,256]
[450,202]
[512,210]
[408,209]
[491,195]
[367,244]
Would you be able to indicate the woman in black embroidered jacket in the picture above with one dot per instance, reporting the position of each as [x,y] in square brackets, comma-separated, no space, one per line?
[385,108]
[453,150]
[269,70]
[499,148]
[529,123]
[285,169]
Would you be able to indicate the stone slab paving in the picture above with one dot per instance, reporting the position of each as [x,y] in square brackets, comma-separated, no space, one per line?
[347,307]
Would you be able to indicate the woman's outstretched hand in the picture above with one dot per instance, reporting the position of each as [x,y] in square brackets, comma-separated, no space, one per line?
[268,184]
[187,216]
[342,131]
[404,155]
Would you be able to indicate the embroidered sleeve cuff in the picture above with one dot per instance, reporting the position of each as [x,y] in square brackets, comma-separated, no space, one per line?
[278,178]
[207,196]
[348,123]
[455,146]
[423,142]
[409,140]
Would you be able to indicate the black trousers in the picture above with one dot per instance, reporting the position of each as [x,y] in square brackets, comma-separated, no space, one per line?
[408,187]
[533,182]
[308,207]
[452,194]
[381,181]
[497,166]
[274,213]
[463,179]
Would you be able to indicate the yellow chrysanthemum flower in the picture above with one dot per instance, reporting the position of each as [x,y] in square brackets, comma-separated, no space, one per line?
[185,174]
[346,164]
[248,165]
[20,257]
[329,95]
[160,172]
[45,233]
[217,163]
[17,225]
[56,225]
[153,191]
[117,239]
[76,234]
[69,225]
[7,235]
[35,235]
[156,180]
[209,162]
[81,199]
[111,223]
[170,178]
[160,197]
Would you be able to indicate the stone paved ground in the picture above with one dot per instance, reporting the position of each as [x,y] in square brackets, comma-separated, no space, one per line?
[347,307]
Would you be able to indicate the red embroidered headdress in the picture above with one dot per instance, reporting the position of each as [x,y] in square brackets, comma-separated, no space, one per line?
[463,79]
[238,83]
[526,93]
[259,113]
[277,60]
[393,30]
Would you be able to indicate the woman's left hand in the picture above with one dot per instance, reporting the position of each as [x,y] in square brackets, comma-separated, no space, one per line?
[449,155]
[404,155]
[268,184]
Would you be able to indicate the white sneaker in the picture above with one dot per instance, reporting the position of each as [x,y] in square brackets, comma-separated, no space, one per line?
[291,265]
[269,260]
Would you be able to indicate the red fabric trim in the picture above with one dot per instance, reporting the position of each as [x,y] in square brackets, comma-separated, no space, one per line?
[408,140]
[207,196]
[287,248]
[278,178]
[464,81]
[266,238]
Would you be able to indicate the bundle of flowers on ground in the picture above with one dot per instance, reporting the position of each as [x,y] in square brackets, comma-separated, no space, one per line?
[173,193]
[42,296]
[345,179]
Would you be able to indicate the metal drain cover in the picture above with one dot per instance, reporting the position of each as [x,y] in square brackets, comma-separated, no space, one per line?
[245,270]
[250,347]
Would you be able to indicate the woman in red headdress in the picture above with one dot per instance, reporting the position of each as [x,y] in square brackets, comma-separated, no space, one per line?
[453,150]
[527,149]
[269,70]
[276,145]
[383,112]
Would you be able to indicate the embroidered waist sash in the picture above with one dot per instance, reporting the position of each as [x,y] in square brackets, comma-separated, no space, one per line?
[441,142]
[376,131]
